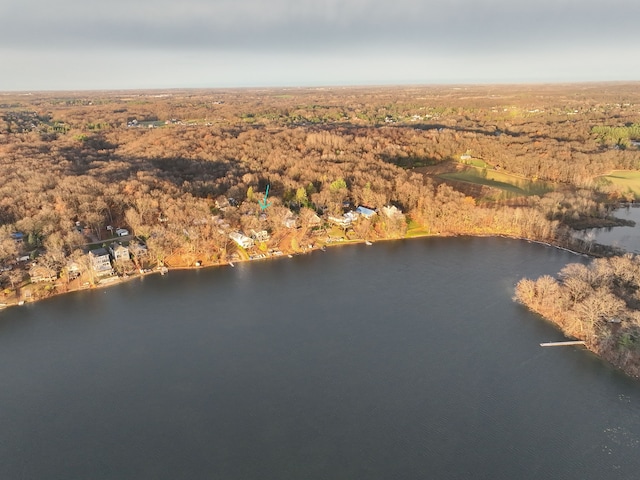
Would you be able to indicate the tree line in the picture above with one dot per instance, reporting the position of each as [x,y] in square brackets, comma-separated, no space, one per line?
[318,151]
[597,302]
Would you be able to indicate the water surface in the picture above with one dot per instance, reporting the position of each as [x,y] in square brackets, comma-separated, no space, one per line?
[625,237]
[398,360]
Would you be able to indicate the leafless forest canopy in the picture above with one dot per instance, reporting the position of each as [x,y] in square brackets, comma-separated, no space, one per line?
[184,171]
[165,165]
[598,303]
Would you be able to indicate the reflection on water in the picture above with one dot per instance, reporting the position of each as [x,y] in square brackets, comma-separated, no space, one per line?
[627,238]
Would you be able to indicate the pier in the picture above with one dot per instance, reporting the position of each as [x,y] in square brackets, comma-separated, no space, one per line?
[562,344]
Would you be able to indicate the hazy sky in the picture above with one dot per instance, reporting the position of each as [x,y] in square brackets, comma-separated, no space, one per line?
[89,44]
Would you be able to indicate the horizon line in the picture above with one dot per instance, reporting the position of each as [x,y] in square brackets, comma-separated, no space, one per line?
[456,84]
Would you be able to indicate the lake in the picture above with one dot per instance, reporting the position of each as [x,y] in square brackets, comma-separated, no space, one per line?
[625,237]
[403,360]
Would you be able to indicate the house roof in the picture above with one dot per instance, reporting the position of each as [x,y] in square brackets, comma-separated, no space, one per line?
[367,212]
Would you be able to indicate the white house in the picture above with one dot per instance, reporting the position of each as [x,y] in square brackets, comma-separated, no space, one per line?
[241,240]
[119,252]
[290,221]
[391,211]
[260,235]
[342,221]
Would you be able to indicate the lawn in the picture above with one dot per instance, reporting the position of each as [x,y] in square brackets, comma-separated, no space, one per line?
[475,162]
[510,184]
[624,180]
[415,230]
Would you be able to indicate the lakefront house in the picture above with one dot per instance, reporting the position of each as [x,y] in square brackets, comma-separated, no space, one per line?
[101,262]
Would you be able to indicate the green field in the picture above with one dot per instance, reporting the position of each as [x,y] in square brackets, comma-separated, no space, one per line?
[415,230]
[622,180]
[510,185]
[475,162]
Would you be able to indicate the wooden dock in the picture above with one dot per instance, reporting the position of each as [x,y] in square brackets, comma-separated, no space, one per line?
[562,344]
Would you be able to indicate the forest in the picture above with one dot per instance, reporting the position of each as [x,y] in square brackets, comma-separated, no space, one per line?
[598,303]
[182,170]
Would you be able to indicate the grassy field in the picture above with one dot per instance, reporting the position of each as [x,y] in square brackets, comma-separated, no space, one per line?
[475,162]
[510,185]
[623,180]
[415,230]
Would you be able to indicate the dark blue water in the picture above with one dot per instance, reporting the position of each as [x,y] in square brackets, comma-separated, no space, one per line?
[399,360]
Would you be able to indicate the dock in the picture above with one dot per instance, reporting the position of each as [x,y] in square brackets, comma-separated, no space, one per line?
[562,344]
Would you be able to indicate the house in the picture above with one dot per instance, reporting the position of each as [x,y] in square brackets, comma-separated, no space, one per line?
[40,273]
[119,252]
[260,236]
[242,240]
[352,216]
[343,221]
[17,237]
[100,262]
[391,211]
[365,212]
[73,270]
[290,222]
[137,250]
[315,220]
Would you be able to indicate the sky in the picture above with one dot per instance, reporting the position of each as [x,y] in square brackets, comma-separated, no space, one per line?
[135,44]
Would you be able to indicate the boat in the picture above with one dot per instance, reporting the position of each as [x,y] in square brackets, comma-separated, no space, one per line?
[231,264]
[367,242]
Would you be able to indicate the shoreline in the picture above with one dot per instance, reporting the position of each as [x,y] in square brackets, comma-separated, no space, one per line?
[120,280]
[117,280]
